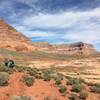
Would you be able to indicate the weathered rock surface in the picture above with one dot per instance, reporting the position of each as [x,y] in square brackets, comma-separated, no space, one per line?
[11,39]
[78,48]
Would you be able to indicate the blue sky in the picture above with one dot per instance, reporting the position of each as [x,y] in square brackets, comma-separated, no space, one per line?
[55,21]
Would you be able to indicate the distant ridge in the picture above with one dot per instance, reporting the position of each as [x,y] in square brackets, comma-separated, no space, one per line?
[11,39]
[78,48]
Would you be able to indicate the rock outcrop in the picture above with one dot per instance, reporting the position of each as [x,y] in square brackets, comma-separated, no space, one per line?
[78,48]
[11,39]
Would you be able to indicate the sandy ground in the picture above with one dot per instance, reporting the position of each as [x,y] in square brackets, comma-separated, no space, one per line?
[38,91]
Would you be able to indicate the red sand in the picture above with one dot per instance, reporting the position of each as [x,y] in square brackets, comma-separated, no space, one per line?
[39,90]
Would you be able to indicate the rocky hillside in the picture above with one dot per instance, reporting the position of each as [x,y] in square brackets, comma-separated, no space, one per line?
[11,39]
[78,48]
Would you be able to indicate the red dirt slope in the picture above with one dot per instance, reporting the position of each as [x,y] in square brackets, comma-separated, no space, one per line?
[39,90]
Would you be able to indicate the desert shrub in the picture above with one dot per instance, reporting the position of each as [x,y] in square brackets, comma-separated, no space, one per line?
[72,81]
[6,69]
[29,80]
[21,98]
[20,68]
[33,72]
[50,98]
[83,95]
[58,81]
[39,75]
[60,76]
[47,75]
[90,84]
[62,89]
[73,96]
[4,79]
[77,87]
[95,88]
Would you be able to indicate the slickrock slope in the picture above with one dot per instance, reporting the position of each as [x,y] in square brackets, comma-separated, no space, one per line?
[11,39]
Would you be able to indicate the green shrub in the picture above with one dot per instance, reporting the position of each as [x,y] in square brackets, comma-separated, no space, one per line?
[73,96]
[32,72]
[29,80]
[62,89]
[89,83]
[58,81]
[48,71]
[83,95]
[6,69]
[60,76]
[4,79]
[20,68]
[95,88]
[72,81]
[47,75]
[77,87]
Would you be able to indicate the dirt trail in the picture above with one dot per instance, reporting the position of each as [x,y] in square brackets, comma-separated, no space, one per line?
[16,86]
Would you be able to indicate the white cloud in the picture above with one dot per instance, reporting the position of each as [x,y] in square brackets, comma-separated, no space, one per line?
[75,26]
[36,33]
[61,20]
[85,37]
[39,34]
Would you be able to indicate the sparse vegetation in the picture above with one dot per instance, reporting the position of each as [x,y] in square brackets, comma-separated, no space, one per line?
[29,80]
[4,79]
[60,76]
[77,87]
[20,68]
[6,69]
[47,75]
[73,96]
[58,81]
[32,72]
[72,81]
[83,95]
[95,88]
[62,89]
[76,84]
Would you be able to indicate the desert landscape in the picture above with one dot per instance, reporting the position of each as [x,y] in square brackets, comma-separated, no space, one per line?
[47,72]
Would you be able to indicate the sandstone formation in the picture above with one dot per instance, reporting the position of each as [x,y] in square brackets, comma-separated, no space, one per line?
[11,39]
[78,48]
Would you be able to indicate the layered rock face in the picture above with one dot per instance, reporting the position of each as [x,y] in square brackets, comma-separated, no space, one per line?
[76,49]
[11,39]
[79,48]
